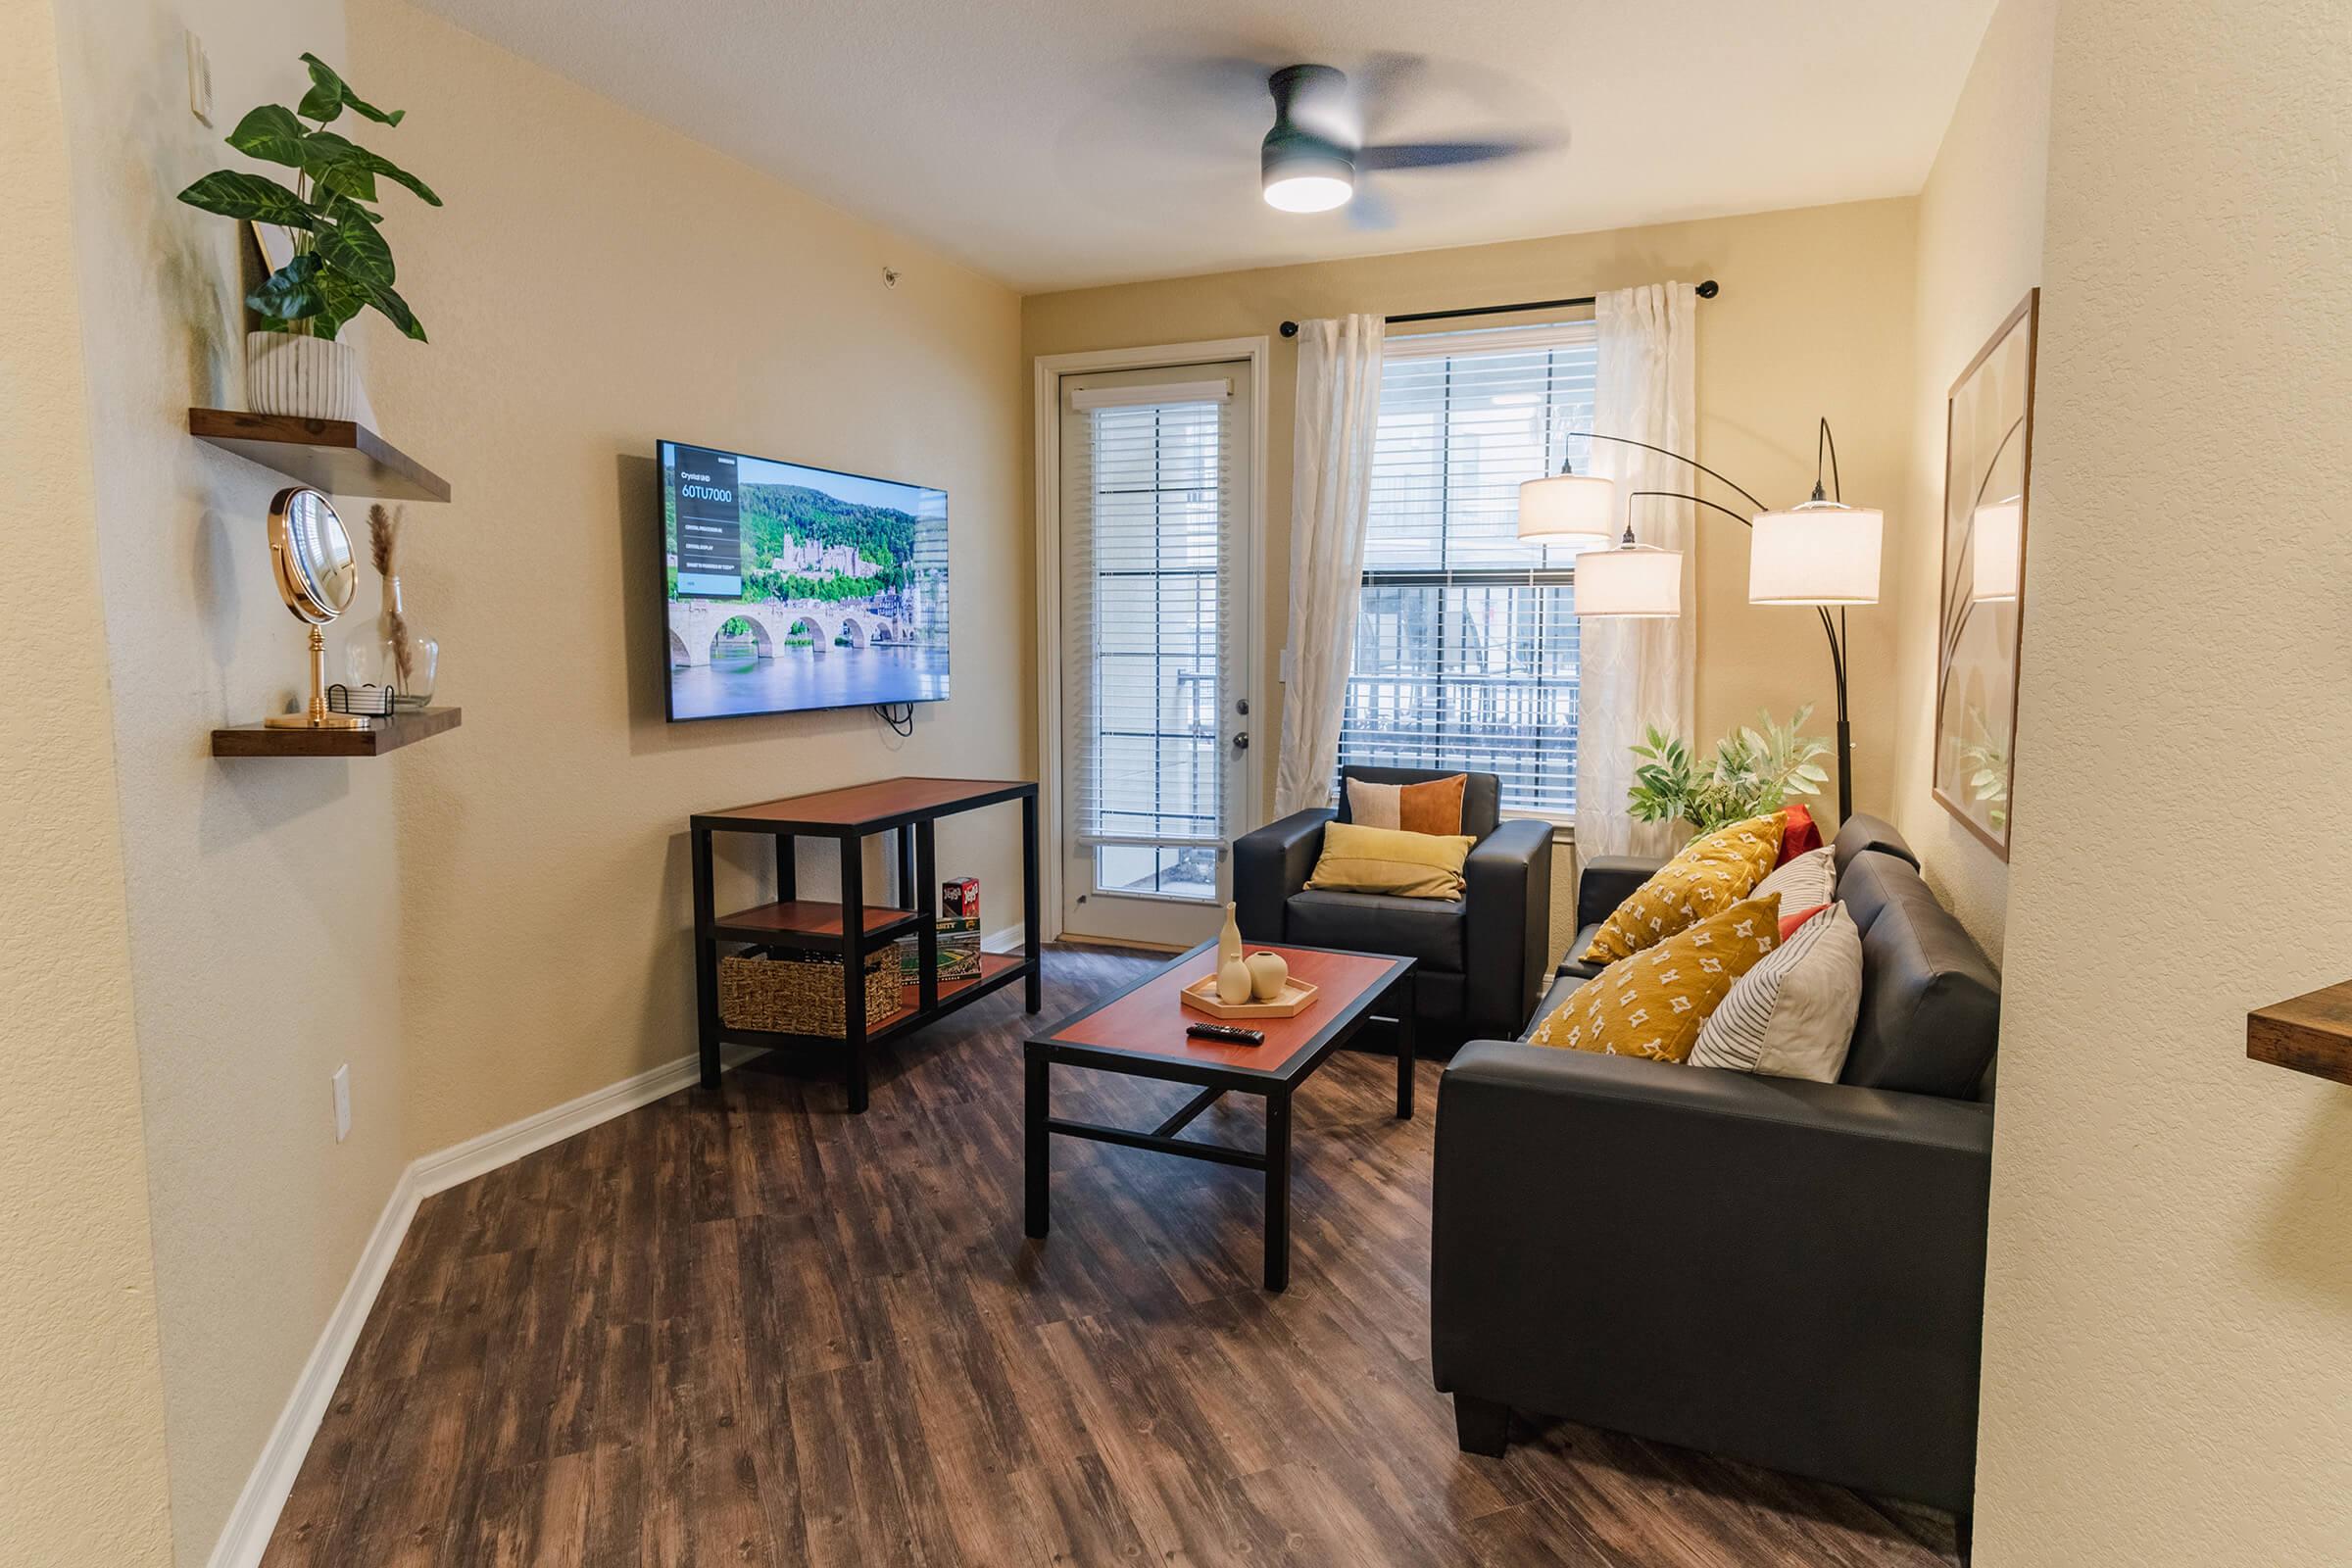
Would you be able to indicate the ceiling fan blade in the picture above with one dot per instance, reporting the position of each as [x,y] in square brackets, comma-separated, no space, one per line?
[1446,154]
[1382,83]
[1369,209]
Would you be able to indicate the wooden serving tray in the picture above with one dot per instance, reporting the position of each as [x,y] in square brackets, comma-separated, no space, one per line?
[1201,997]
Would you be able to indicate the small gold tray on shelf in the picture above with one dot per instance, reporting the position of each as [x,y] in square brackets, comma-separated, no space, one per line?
[1201,997]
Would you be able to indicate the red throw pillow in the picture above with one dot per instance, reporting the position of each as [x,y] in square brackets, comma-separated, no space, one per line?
[1790,924]
[1799,833]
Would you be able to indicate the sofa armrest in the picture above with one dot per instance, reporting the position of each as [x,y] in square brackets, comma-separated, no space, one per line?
[1607,880]
[1790,1273]
[1272,863]
[1507,943]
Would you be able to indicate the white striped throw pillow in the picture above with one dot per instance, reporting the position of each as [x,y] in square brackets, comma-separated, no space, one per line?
[1792,1015]
[1807,882]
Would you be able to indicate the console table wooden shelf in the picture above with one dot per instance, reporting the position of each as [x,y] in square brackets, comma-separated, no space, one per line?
[907,809]
[380,736]
[2311,1033]
[336,456]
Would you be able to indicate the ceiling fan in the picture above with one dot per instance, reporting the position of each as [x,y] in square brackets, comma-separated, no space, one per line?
[1315,155]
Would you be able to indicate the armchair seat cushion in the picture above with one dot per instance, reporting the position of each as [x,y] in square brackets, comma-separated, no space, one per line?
[1426,929]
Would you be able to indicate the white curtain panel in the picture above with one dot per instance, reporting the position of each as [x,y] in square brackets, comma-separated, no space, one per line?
[1331,497]
[1635,672]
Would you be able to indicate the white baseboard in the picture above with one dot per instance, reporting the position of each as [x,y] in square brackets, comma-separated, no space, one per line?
[503,1146]
[246,1536]
[1007,940]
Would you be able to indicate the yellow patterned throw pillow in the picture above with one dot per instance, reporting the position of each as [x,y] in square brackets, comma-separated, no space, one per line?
[1385,859]
[1652,1003]
[1712,873]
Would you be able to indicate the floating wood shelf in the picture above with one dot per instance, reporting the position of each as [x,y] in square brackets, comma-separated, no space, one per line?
[336,456]
[2311,1033]
[380,736]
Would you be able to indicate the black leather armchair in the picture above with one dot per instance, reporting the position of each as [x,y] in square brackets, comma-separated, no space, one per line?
[1482,956]
[1789,1273]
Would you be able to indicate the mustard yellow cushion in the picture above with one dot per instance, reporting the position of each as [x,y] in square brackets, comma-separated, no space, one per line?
[1383,859]
[1652,1003]
[1713,872]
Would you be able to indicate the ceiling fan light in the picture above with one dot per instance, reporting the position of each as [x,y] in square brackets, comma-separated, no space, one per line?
[1308,193]
[1304,174]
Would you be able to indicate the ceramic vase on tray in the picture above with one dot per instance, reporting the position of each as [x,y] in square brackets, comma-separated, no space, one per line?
[1233,976]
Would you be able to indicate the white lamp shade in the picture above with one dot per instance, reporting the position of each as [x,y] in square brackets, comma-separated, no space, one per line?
[1568,506]
[1630,581]
[1998,543]
[1818,553]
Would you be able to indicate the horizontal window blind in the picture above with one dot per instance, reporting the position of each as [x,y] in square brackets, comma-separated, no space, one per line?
[1147,509]
[1466,641]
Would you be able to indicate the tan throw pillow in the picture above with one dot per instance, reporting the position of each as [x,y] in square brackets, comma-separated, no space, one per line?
[1431,808]
[1655,1003]
[1712,873]
[1383,860]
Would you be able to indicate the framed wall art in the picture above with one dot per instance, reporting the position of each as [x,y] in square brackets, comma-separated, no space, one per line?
[1988,450]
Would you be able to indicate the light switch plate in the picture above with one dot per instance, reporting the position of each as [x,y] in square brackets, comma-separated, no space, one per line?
[342,1101]
[200,80]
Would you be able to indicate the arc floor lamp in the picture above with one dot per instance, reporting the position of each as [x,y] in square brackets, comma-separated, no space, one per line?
[1820,551]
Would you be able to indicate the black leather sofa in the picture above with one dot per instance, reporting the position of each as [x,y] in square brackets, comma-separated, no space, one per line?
[1482,956]
[1788,1273]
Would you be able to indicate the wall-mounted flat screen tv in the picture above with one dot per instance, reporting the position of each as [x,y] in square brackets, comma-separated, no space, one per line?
[789,587]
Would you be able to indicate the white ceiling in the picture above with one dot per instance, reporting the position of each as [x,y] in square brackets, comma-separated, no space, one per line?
[1056,144]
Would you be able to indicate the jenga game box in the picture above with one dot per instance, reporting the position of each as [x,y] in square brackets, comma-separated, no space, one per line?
[960,898]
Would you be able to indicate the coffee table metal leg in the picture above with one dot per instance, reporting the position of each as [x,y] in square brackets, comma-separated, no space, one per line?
[1405,1008]
[1037,1145]
[1278,1192]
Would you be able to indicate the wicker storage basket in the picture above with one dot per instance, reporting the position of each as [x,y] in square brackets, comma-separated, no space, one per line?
[800,993]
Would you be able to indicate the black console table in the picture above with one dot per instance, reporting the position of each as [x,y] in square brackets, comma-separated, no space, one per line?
[906,807]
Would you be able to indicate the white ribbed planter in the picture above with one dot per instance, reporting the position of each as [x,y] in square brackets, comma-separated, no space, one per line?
[307,378]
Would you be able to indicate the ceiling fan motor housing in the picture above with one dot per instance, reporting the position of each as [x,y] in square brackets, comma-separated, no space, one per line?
[1308,124]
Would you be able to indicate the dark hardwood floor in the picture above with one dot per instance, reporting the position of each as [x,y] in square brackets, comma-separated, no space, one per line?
[747,1328]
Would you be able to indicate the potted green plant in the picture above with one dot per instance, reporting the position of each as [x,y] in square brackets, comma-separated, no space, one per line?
[1754,770]
[298,364]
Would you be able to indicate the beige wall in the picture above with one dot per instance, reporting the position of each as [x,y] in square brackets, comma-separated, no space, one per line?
[263,895]
[1815,318]
[594,283]
[2168,1332]
[493,924]
[81,1444]
[1980,250]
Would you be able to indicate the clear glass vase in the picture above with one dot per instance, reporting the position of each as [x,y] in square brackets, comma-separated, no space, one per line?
[398,655]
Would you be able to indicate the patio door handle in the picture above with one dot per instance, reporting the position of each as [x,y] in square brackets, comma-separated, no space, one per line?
[1241,741]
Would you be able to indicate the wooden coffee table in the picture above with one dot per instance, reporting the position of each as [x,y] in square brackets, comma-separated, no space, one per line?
[1140,1032]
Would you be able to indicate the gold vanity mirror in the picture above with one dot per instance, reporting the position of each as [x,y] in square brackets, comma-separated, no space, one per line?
[317,575]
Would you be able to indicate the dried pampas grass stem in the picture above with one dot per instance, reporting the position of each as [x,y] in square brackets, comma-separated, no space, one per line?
[383,548]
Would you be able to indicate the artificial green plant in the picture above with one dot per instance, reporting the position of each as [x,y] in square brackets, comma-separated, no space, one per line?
[341,264]
[1755,769]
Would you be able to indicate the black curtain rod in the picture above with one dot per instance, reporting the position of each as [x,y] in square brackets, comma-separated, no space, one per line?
[1705,291]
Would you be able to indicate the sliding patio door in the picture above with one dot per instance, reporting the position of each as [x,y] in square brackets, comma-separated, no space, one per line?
[1155,721]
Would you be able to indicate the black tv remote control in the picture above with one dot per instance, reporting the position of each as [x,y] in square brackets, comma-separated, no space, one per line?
[1231,1033]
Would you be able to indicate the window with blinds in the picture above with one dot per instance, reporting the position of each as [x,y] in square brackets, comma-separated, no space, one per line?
[1148,518]
[1466,640]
